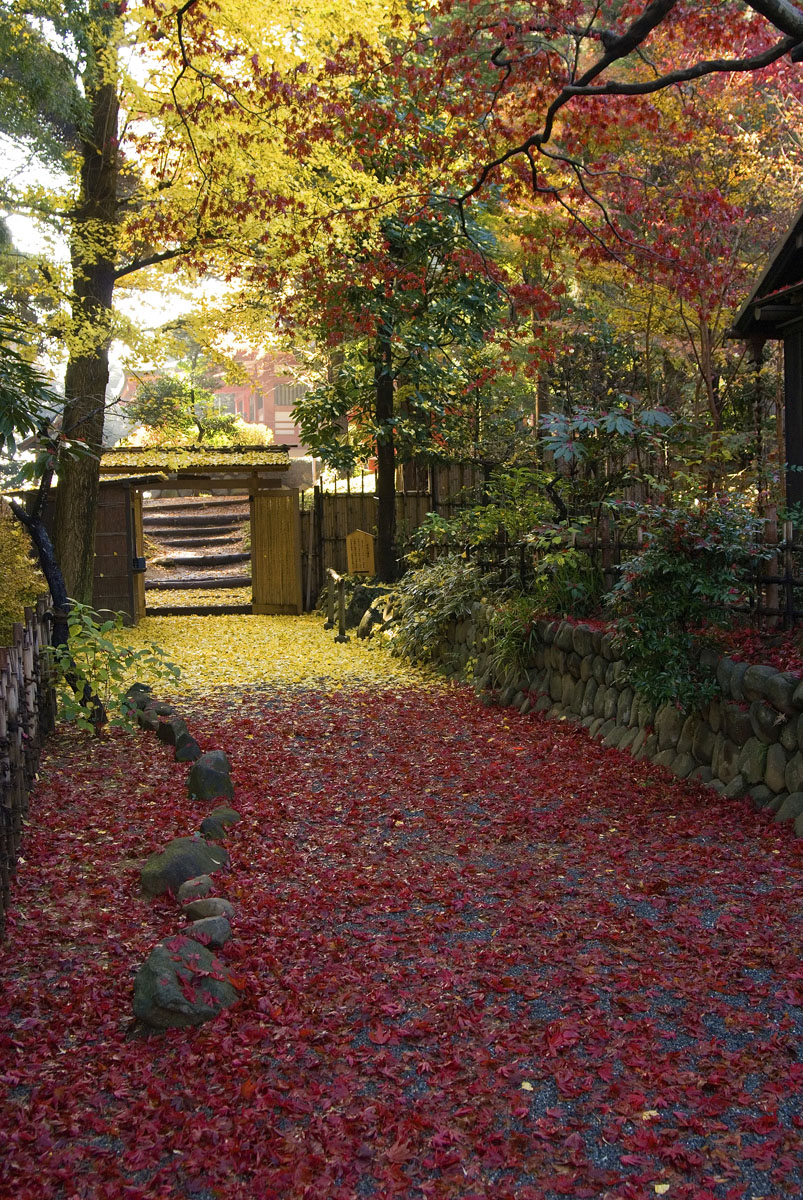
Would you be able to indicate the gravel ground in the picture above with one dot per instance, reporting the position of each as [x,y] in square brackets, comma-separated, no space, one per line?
[482,956]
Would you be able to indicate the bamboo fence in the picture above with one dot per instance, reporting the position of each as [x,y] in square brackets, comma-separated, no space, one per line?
[27,715]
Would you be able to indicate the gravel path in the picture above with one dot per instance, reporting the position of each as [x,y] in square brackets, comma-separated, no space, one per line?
[481,956]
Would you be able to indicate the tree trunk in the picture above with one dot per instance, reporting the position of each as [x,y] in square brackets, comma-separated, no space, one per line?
[386,564]
[93,252]
[31,519]
[48,564]
[710,378]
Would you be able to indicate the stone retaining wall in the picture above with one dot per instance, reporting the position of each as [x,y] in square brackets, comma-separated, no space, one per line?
[748,741]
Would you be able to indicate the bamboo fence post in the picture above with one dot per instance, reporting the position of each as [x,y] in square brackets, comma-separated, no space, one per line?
[788,567]
[341,610]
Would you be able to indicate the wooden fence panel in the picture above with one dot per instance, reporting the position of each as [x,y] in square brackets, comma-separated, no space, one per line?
[27,714]
[113,585]
[331,516]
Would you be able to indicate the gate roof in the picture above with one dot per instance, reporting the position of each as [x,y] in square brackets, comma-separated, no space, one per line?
[195,460]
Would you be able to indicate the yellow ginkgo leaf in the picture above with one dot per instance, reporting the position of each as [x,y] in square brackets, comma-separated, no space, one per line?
[217,653]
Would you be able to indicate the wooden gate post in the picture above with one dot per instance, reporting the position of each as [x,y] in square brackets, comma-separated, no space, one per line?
[139,564]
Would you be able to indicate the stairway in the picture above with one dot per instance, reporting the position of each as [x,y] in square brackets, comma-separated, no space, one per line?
[196,543]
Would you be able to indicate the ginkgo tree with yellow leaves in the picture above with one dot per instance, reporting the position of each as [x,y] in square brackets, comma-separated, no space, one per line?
[159,132]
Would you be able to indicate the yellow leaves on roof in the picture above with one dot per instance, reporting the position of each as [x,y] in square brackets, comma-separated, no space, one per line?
[224,652]
[157,459]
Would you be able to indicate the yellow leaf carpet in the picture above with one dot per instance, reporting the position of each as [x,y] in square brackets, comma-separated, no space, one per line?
[229,652]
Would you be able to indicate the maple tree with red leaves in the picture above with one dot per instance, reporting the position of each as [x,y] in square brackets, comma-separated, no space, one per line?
[478,953]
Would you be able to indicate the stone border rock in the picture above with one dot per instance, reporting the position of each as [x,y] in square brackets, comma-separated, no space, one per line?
[746,742]
[182,983]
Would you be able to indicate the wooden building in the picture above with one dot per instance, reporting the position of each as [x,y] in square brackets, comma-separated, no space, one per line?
[774,312]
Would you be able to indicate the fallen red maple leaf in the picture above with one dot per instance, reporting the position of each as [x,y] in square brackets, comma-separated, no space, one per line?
[542,960]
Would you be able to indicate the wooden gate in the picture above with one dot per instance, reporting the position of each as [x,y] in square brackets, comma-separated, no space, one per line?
[276,552]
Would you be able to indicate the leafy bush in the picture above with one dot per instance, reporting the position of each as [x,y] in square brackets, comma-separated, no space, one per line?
[170,413]
[428,599]
[244,434]
[566,581]
[166,403]
[20,580]
[219,429]
[599,452]
[523,550]
[676,588]
[510,641]
[94,670]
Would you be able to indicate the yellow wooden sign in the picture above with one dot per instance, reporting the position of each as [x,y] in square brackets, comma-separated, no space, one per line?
[360,553]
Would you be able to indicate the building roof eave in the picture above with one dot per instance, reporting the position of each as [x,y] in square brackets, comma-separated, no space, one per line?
[784,271]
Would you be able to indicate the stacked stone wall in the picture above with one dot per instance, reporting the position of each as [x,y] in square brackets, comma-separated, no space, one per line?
[747,741]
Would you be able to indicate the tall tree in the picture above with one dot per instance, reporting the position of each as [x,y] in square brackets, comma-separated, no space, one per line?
[189,173]
[93,255]
[400,313]
[60,102]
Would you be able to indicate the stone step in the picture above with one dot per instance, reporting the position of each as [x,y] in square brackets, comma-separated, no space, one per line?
[196,538]
[183,503]
[196,610]
[201,560]
[194,520]
[200,581]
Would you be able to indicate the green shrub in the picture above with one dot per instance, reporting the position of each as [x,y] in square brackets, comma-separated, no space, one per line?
[566,584]
[244,433]
[171,413]
[20,580]
[566,581]
[511,637]
[517,503]
[428,599]
[95,667]
[679,586]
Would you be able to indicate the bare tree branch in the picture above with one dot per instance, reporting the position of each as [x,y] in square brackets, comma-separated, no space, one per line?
[152,260]
[672,78]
